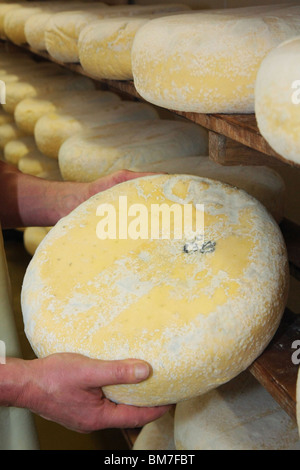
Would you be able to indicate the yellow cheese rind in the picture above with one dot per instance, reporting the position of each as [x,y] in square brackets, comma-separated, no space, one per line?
[53,129]
[110,148]
[198,318]
[15,149]
[264,184]
[32,237]
[63,29]
[28,111]
[157,435]
[207,62]
[240,415]
[277,100]
[34,163]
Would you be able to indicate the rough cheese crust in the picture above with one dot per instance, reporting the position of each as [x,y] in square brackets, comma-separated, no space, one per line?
[240,415]
[106,149]
[198,318]
[207,62]
[265,184]
[63,29]
[53,129]
[28,111]
[277,113]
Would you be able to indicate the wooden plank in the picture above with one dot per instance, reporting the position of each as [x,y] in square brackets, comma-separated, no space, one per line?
[275,370]
[228,152]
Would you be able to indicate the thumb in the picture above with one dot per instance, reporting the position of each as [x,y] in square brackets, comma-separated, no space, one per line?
[127,371]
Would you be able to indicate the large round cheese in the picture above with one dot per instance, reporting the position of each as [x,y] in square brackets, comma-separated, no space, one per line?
[14,22]
[4,8]
[9,132]
[106,149]
[277,100]
[32,237]
[240,415]
[198,309]
[29,110]
[207,62]
[63,29]
[34,163]
[157,435]
[263,183]
[53,129]
[16,92]
[15,149]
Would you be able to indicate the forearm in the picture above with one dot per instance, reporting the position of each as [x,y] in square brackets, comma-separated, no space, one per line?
[30,201]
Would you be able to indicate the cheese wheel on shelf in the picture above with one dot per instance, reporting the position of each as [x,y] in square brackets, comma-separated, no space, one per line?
[9,132]
[106,149]
[34,163]
[15,149]
[30,110]
[53,129]
[240,415]
[157,435]
[4,8]
[14,21]
[104,46]
[198,310]
[277,100]
[63,29]
[32,237]
[207,62]
[16,92]
[263,183]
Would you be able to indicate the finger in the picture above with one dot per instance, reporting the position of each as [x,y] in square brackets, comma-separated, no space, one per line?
[125,416]
[128,371]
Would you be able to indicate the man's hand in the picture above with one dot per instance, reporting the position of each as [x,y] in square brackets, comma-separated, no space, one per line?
[66,388]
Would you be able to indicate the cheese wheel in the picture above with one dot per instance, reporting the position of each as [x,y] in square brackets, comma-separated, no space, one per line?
[34,163]
[35,25]
[157,435]
[53,129]
[32,237]
[50,175]
[277,100]
[198,312]
[207,62]
[263,183]
[63,29]
[4,8]
[16,92]
[18,148]
[240,415]
[107,149]
[28,111]
[104,46]
[14,22]
[9,132]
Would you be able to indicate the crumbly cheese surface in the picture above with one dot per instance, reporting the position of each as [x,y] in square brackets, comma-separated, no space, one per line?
[207,62]
[53,129]
[198,317]
[240,415]
[277,100]
[106,149]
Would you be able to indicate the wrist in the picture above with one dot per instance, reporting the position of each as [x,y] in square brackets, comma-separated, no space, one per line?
[14,376]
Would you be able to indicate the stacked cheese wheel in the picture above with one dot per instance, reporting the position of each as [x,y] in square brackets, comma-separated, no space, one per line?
[207,62]
[205,326]
[277,100]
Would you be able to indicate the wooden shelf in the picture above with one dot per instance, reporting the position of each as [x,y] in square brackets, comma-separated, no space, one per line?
[235,139]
